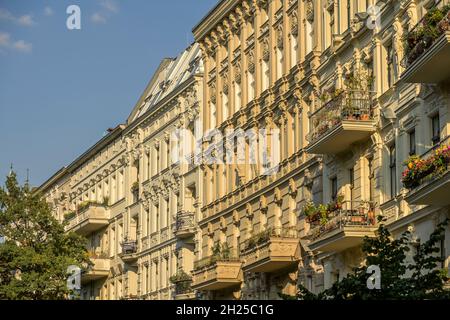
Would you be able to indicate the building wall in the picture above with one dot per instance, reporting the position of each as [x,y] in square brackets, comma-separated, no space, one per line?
[137,173]
[266,64]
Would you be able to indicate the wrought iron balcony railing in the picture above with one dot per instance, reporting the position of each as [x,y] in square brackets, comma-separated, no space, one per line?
[348,214]
[129,247]
[425,33]
[346,105]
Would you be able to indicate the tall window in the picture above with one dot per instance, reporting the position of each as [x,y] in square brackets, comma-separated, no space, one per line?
[168,153]
[435,129]
[349,13]
[265,74]
[392,171]
[391,66]
[412,142]
[167,212]
[324,29]
[224,180]
[294,48]
[157,161]
[334,188]
[251,85]
[121,185]
[237,96]
[279,62]
[351,174]
[212,108]
[225,111]
[309,36]
[371,179]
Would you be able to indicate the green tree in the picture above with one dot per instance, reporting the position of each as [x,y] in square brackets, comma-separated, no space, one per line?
[35,252]
[401,278]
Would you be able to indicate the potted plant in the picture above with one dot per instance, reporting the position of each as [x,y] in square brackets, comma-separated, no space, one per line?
[135,187]
[323,214]
[69,215]
[309,210]
[105,201]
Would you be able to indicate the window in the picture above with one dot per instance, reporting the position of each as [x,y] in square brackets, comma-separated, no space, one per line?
[324,29]
[237,96]
[435,129]
[265,74]
[157,161]
[212,108]
[309,36]
[371,179]
[168,153]
[334,188]
[225,112]
[251,85]
[349,13]
[294,47]
[279,52]
[391,66]
[351,174]
[224,181]
[412,142]
[392,172]
[237,178]
[167,213]
[309,283]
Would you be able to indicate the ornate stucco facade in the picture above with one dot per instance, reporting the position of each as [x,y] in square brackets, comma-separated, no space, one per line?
[345,104]
[130,196]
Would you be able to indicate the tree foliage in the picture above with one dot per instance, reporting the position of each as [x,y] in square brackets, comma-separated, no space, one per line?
[408,270]
[35,252]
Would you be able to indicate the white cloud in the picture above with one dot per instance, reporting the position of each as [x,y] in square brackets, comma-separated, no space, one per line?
[24,20]
[108,8]
[18,45]
[98,18]
[48,11]
[5,39]
[110,5]
[22,46]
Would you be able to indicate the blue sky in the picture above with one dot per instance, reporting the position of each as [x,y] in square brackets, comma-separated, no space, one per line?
[61,89]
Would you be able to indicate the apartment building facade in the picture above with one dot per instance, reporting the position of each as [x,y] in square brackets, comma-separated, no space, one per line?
[304,112]
[132,197]
[352,104]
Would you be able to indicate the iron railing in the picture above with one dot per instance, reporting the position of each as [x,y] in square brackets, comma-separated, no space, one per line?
[434,167]
[212,260]
[418,41]
[347,105]
[129,247]
[263,237]
[183,286]
[349,214]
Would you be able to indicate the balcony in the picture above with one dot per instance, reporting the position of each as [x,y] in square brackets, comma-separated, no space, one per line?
[428,177]
[99,269]
[129,251]
[184,227]
[271,250]
[90,217]
[183,286]
[427,53]
[341,227]
[213,273]
[345,119]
